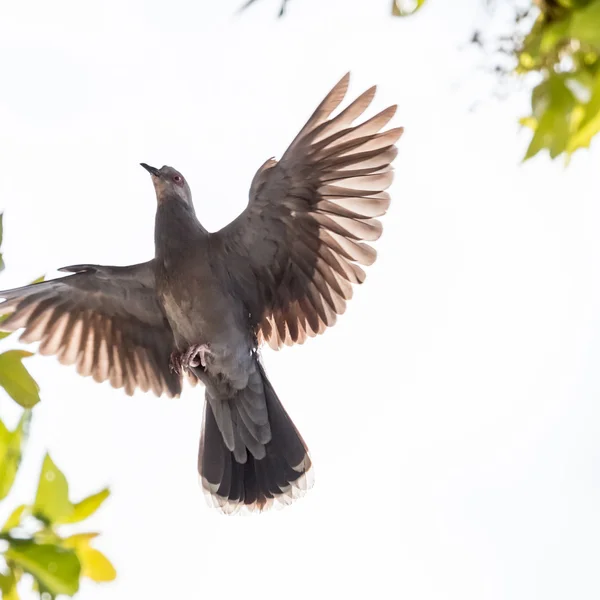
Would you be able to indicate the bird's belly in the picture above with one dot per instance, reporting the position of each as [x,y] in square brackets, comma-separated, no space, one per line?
[214,321]
[203,315]
[185,320]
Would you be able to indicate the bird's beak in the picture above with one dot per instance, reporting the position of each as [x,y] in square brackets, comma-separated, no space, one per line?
[152,170]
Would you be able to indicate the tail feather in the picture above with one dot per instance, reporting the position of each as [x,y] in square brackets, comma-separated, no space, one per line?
[272,465]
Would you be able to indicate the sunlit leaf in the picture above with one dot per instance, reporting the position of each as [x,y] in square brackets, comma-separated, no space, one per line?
[581,84]
[56,569]
[94,564]
[552,107]
[14,519]
[11,451]
[562,46]
[529,53]
[79,538]
[404,8]
[16,380]
[526,61]
[38,279]
[554,33]
[88,506]
[529,122]
[8,586]
[589,124]
[52,502]
[585,24]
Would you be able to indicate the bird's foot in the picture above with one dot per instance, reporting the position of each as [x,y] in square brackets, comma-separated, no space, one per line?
[196,356]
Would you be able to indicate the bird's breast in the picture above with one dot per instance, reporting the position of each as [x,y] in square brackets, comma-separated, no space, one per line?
[197,307]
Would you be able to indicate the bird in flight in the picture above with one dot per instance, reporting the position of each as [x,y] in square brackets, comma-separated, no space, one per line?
[281,272]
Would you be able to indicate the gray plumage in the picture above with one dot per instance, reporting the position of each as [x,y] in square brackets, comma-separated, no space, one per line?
[279,273]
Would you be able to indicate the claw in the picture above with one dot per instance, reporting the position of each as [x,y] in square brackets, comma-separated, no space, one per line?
[195,356]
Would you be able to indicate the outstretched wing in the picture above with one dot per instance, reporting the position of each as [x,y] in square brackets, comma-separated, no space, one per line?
[296,250]
[106,320]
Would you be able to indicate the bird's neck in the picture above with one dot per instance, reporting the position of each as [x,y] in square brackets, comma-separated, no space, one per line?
[176,228]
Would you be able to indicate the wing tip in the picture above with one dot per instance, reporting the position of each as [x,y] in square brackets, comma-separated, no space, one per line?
[345,80]
[337,94]
[370,94]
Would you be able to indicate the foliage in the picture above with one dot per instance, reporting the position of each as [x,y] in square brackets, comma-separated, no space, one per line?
[36,545]
[33,540]
[16,380]
[563,47]
[554,45]
[403,8]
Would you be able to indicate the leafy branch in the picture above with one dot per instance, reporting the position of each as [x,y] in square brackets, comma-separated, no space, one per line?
[37,546]
[32,539]
[554,46]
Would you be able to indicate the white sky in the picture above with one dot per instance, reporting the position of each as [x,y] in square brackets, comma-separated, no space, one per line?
[453,414]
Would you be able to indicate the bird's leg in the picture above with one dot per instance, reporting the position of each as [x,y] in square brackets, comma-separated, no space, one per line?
[196,356]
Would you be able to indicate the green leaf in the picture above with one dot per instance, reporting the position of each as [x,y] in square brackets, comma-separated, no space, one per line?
[585,24]
[88,506]
[11,452]
[14,519]
[52,502]
[530,122]
[93,563]
[404,8]
[16,380]
[529,53]
[8,586]
[56,569]
[554,33]
[589,124]
[38,280]
[552,106]
[96,566]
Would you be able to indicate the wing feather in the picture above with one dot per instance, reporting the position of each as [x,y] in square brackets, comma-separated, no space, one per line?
[298,246]
[104,320]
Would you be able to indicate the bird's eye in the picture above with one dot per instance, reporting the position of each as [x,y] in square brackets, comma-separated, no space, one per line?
[177,179]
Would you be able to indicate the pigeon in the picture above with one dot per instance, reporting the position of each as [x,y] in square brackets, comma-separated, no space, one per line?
[201,309]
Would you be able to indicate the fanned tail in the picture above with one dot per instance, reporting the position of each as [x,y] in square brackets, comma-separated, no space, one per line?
[251,454]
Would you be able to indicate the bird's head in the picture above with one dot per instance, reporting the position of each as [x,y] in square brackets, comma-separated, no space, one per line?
[169,184]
